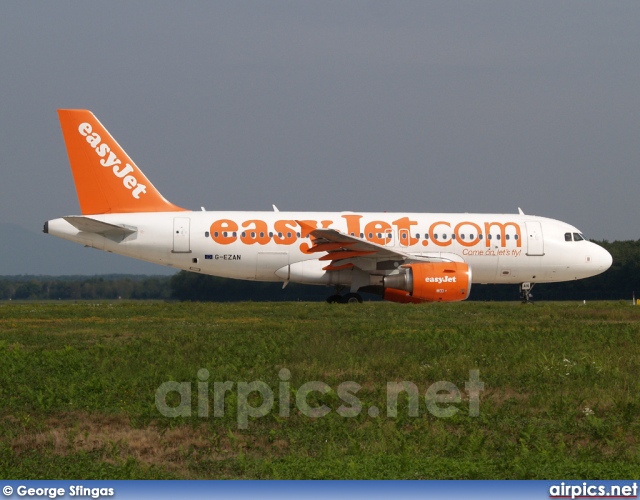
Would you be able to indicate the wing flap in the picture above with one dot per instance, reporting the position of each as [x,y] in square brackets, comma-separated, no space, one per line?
[344,251]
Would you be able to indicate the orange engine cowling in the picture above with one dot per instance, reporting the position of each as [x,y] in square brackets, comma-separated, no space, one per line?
[429,282]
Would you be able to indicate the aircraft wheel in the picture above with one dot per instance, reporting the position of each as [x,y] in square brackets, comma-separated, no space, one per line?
[334,299]
[352,298]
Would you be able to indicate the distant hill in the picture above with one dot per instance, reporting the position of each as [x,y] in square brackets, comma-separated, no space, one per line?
[28,252]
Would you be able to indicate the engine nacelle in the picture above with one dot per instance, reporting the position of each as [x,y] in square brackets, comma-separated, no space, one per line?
[429,282]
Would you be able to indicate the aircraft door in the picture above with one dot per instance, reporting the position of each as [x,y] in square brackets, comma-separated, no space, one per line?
[181,237]
[535,241]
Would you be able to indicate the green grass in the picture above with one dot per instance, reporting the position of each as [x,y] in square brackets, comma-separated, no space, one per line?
[561,398]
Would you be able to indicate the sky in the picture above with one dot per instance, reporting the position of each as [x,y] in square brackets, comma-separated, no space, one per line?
[406,106]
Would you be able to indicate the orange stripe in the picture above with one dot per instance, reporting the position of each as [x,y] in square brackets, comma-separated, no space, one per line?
[343,255]
[327,247]
[331,267]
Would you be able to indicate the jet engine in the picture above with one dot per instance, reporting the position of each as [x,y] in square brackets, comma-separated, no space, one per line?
[429,282]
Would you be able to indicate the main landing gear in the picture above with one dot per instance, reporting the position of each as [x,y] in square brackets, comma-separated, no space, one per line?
[525,293]
[349,298]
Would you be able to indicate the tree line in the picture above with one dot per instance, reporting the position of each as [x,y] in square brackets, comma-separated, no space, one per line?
[620,282]
[107,287]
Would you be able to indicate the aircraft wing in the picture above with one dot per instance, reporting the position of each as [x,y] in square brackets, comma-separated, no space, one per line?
[344,251]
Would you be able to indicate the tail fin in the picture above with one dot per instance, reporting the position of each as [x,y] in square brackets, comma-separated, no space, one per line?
[107,180]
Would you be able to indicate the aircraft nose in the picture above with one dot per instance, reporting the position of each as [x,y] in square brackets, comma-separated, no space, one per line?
[603,259]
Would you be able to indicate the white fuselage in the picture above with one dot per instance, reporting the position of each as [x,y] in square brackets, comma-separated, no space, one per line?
[271,246]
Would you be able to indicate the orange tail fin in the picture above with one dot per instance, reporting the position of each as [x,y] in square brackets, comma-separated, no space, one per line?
[107,180]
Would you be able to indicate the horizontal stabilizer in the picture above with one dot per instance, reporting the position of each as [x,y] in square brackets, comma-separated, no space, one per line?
[112,231]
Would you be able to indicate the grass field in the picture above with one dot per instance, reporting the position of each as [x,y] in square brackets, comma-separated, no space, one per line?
[78,384]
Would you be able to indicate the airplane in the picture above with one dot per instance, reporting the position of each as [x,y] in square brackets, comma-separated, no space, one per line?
[403,257]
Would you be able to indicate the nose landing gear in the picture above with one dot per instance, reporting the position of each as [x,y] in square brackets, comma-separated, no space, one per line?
[525,293]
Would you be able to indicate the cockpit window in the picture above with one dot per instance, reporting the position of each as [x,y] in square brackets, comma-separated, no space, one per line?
[577,237]
[567,237]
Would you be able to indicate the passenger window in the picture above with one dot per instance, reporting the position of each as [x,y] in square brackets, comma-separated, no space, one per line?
[497,236]
[426,236]
[435,236]
[453,236]
[488,236]
[462,236]
[516,237]
[417,236]
[567,237]
[507,236]
[206,234]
